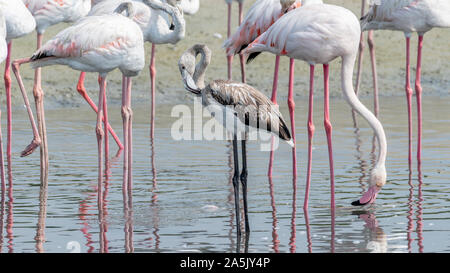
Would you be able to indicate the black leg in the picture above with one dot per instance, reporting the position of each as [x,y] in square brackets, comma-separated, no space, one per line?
[236,186]
[244,174]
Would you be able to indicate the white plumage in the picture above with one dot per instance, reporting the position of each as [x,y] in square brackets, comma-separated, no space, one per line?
[19,20]
[51,12]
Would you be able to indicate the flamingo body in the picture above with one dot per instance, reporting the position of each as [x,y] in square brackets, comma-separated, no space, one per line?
[118,43]
[19,20]
[51,12]
[408,15]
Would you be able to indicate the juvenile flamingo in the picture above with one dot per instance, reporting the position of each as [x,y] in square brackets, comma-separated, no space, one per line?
[410,16]
[19,22]
[98,44]
[152,17]
[319,34]
[236,106]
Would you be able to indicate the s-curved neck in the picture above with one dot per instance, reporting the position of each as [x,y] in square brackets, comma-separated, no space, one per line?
[200,67]
[178,32]
[352,99]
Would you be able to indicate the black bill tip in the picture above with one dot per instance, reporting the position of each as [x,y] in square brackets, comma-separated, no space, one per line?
[357,203]
[172,26]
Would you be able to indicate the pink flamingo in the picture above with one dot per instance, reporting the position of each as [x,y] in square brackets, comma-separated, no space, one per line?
[319,34]
[153,19]
[98,44]
[240,18]
[410,16]
[19,22]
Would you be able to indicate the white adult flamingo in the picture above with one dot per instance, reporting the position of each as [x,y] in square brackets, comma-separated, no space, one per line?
[98,44]
[19,22]
[410,16]
[190,7]
[236,106]
[152,16]
[319,34]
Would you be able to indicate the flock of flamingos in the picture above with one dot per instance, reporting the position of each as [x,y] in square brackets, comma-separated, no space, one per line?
[110,34]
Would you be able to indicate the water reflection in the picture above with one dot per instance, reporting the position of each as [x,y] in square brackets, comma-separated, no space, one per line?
[10,215]
[376,238]
[275,240]
[40,230]
[293,238]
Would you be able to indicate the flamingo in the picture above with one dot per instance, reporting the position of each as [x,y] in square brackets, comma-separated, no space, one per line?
[19,22]
[319,34]
[152,17]
[190,7]
[236,106]
[98,44]
[410,16]
[240,18]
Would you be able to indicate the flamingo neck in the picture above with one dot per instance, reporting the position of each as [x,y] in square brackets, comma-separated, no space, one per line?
[350,96]
[201,66]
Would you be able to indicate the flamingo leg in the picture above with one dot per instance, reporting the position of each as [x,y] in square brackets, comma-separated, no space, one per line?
[418,87]
[2,165]
[408,100]
[241,56]
[105,122]
[130,141]
[40,116]
[328,128]
[360,56]
[291,105]
[36,137]
[82,91]
[229,58]
[100,134]
[311,129]
[244,175]
[125,122]
[236,186]
[274,100]
[153,90]
[7,78]
[374,72]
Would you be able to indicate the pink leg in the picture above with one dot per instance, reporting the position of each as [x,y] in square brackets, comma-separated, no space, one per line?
[36,137]
[374,72]
[153,90]
[311,130]
[40,117]
[100,134]
[241,57]
[408,100]
[8,100]
[291,105]
[2,166]
[125,122]
[328,127]
[360,54]
[419,99]
[82,91]
[130,141]
[229,58]
[105,122]
[274,100]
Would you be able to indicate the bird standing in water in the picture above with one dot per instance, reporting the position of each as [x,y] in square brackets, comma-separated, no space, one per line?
[98,44]
[410,16]
[318,34]
[236,106]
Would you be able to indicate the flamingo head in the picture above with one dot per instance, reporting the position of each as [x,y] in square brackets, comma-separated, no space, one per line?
[377,181]
[288,5]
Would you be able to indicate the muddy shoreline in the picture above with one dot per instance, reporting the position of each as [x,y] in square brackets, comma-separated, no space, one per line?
[59,83]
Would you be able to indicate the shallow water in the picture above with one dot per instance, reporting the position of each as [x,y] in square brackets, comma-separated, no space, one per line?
[182,201]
